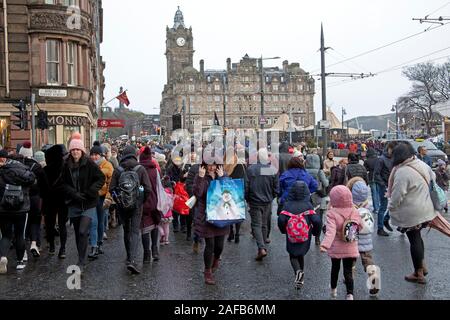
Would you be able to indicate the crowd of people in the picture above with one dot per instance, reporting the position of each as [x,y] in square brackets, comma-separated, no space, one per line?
[131,183]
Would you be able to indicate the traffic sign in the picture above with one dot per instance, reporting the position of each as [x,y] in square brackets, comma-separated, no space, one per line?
[110,123]
[262,120]
[324,124]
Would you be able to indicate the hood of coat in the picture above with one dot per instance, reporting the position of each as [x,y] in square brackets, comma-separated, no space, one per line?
[129,162]
[299,192]
[55,156]
[371,153]
[312,162]
[341,197]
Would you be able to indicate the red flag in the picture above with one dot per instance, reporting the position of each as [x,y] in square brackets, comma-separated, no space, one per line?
[124,99]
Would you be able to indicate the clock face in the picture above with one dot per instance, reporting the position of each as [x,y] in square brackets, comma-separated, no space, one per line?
[181,42]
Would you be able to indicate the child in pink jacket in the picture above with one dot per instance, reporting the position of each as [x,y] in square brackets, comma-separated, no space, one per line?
[342,210]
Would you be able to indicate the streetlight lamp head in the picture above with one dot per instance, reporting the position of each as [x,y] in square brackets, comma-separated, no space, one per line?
[393,109]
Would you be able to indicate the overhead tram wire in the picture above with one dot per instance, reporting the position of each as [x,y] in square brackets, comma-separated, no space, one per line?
[394,68]
[384,46]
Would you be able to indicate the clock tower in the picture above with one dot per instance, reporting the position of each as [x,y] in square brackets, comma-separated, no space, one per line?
[179,47]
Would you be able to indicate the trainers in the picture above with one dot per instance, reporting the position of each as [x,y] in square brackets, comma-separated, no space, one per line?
[132,267]
[349,297]
[373,292]
[196,247]
[382,233]
[3,265]
[334,293]
[105,236]
[388,226]
[35,252]
[25,257]
[299,279]
[20,265]
[62,253]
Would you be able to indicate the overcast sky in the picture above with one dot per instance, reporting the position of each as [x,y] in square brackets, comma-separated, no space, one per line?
[135,33]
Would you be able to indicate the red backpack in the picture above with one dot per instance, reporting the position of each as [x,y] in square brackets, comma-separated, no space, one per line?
[297,227]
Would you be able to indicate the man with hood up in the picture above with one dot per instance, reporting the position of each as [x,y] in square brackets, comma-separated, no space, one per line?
[131,220]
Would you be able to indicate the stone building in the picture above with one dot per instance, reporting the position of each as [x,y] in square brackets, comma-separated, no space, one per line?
[233,93]
[51,48]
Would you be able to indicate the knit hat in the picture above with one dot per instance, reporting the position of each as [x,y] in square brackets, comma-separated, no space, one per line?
[26,150]
[360,192]
[96,150]
[39,156]
[341,197]
[146,153]
[3,153]
[129,150]
[263,155]
[76,136]
[77,144]
[441,163]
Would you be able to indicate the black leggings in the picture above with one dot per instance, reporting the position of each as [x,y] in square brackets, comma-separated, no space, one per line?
[213,249]
[238,229]
[82,226]
[33,230]
[18,223]
[348,263]
[417,248]
[153,237]
[297,263]
[50,221]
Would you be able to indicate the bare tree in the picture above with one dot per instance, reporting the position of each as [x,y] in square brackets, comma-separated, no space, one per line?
[430,87]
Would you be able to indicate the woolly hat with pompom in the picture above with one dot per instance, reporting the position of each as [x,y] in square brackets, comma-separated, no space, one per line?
[146,153]
[76,136]
[26,150]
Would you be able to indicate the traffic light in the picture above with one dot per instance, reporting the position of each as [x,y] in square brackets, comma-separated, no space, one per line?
[22,115]
[42,120]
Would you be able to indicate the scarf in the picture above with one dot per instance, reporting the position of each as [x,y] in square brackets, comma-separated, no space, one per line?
[392,176]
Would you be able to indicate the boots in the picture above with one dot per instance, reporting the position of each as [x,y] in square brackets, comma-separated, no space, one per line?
[231,235]
[147,257]
[417,277]
[155,253]
[209,278]
[262,253]
[216,264]
[425,269]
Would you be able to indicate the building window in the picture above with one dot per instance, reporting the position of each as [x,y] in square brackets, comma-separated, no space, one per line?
[210,108]
[210,98]
[50,1]
[68,131]
[241,120]
[217,98]
[69,2]
[71,64]
[275,87]
[51,134]
[275,98]
[282,98]
[300,87]
[191,88]
[53,72]
[217,87]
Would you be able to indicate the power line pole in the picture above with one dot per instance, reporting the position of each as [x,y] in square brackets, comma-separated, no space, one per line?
[324,90]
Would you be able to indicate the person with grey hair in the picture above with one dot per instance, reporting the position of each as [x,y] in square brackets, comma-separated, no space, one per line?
[261,188]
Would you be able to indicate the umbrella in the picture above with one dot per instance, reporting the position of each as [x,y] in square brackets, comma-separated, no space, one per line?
[441,224]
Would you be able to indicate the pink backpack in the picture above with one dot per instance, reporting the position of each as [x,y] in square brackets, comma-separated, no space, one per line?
[297,227]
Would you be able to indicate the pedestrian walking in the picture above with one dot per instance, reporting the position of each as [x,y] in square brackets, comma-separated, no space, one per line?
[422,154]
[410,203]
[164,226]
[329,163]
[339,174]
[369,164]
[15,182]
[82,180]
[298,210]
[355,169]
[341,247]
[151,217]
[97,230]
[442,177]
[214,236]
[179,204]
[360,193]
[130,187]
[261,188]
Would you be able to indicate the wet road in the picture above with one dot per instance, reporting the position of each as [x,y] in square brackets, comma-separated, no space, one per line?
[178,275]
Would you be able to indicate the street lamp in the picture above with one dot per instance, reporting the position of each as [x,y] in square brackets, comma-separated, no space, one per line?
[262,87]
[344,113]
[395,109]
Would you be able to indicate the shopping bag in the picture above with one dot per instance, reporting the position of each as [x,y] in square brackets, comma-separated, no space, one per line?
[191,202]
[225,202]
[165,202]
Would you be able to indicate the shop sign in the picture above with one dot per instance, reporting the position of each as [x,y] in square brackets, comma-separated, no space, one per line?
[53,93]
[67,121]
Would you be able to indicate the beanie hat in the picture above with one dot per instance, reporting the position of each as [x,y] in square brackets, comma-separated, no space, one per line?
[441,163]
[26,150]
[360,192]
[129,150]
[3,153]
[341,197]
[77,144]
[146,153]
[76,136]
[39,156]
[96,150]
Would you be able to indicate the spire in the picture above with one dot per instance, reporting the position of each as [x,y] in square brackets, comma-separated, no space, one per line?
[178,20]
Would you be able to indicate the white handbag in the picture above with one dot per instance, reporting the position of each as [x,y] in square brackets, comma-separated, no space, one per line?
[164,201]
[191,202]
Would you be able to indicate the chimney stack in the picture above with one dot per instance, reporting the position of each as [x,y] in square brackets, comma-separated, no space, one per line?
[285,65]
[228,65]
[202,67]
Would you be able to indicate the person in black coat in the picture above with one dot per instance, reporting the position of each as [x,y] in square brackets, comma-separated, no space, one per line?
[370,164]
[355,169]
[299,202]
[82,180]
[53,204]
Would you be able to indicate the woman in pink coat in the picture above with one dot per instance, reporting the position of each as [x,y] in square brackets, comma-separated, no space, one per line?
[338,249]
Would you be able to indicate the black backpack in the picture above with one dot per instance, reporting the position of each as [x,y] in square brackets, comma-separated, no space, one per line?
[128,188]
[14,177]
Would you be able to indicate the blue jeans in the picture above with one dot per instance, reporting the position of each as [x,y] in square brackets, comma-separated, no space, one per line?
[383,214]
[375,196]
[97,225]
